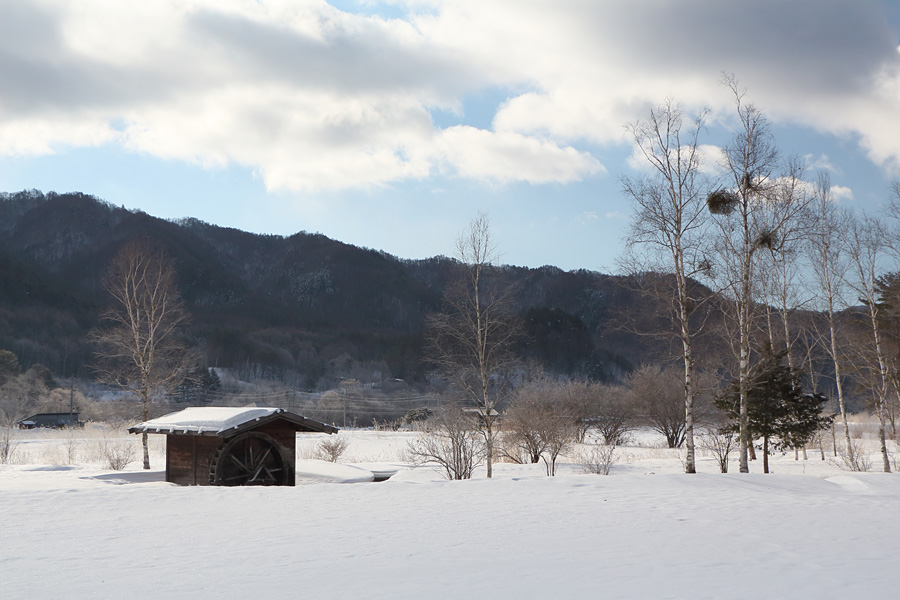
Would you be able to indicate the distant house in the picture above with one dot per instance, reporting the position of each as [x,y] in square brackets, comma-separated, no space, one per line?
[479,414]
[216,445]
[51,420]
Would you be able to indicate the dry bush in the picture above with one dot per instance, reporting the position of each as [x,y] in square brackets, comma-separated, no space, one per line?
[450,440]
[614,414]
[332,448]
[719,443]
[599,460]
[116,453]
[659,395]
[855,458]
[8,444]
[539,424]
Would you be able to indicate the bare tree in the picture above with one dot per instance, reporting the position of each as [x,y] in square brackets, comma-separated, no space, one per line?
[866,246]
[751,215]
[613,415]
[779,263]
[472,339]
[655,394]
[538,423]
[828,259]
[667,232]
[140,349]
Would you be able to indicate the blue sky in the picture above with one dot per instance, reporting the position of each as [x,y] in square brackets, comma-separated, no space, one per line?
[390,124]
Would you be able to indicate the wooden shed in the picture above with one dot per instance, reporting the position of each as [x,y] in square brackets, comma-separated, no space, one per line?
[249,445]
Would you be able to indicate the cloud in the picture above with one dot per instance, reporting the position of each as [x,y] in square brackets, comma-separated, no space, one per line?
[506,157]
[819,163]
[841,192]
[312,98]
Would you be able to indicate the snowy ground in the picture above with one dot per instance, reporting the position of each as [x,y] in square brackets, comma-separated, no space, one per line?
[810,530]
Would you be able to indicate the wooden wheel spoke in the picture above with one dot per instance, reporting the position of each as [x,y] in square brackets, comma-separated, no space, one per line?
[240,465]
[257,464]
[250,459]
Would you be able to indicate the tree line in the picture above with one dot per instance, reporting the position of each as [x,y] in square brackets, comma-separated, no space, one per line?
[796,275]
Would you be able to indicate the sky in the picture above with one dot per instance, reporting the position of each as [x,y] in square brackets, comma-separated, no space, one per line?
[391,124]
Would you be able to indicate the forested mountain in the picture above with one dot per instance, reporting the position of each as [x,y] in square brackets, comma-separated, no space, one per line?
[304,309]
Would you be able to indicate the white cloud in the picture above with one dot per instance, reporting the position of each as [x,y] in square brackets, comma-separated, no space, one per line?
[841,192]
[314,98]
[819,163]
[588,217]
[505,157]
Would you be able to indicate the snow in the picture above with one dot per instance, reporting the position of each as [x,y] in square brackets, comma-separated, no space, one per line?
[810,530]
[205,419]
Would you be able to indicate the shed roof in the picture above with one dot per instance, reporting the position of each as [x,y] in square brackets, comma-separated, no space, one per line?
[225,421]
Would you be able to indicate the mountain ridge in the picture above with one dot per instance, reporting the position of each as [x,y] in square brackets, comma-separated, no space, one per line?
[283,306]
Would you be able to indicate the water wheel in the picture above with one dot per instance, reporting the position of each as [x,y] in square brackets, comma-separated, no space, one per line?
[252,458]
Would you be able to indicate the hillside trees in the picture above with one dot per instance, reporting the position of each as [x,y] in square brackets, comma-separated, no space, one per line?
[140,349]
[472,339]
[668,233]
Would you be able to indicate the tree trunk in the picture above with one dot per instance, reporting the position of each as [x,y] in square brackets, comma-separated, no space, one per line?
[145,413]
[840,390]
[146,447]
[884,453]
[489,450]
[689,393]
[765,454]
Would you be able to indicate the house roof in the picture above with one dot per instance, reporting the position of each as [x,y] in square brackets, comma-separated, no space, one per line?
[54,414]
[224,421]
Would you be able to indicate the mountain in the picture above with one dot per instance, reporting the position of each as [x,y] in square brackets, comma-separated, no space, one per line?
[304,309]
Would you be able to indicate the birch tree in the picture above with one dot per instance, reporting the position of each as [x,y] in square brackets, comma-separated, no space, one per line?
[866,246]
[751,215]
[781,266]
[472,339]
[667,231]
[828,260]
[140,349]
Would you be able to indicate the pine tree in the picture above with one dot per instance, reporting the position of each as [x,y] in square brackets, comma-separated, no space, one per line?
[777,409]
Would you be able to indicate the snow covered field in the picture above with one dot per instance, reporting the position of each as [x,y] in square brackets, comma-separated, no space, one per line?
[810,530]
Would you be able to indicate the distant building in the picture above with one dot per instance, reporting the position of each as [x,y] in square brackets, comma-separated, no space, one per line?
[51,420]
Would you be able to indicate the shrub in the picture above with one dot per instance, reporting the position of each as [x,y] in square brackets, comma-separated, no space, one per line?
[117,454]
[719,443]
[599,460]
[855,458]
[451,441]
[332,447]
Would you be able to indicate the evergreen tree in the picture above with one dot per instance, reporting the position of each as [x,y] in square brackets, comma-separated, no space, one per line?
[777,409]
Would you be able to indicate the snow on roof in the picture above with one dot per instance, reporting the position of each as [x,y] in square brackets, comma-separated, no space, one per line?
[209,419]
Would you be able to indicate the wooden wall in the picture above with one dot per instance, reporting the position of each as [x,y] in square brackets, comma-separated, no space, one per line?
[188,456]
